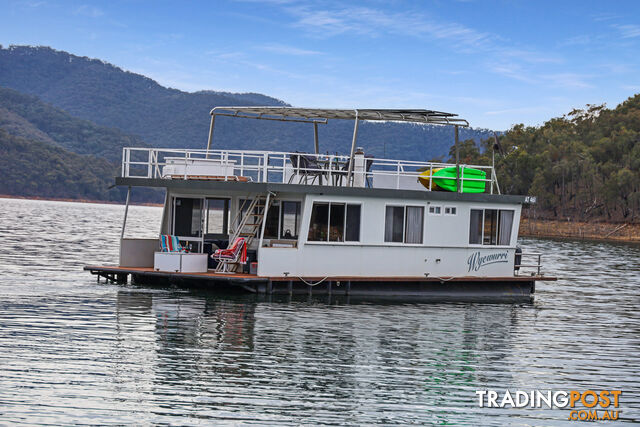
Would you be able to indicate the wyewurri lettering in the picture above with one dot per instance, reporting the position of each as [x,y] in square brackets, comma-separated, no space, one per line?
[477,261]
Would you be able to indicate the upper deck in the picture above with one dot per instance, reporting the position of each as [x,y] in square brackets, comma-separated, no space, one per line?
[287,168]
[358,169]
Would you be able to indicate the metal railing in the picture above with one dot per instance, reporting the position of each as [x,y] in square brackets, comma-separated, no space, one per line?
[285,167]
[535,263]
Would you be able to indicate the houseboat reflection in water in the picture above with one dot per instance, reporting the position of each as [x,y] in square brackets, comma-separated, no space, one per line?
[227,351]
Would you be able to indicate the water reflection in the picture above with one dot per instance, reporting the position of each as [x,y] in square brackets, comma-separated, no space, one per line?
[259,359]
[76,352]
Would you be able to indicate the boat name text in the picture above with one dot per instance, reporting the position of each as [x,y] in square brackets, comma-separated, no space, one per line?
[477,261]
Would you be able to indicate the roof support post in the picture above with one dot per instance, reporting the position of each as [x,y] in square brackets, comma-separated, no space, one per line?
[126,211]
[213,119]
[457,160]
[353,150]
[315,136]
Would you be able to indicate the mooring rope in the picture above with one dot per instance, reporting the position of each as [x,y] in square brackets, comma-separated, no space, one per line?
[312,284]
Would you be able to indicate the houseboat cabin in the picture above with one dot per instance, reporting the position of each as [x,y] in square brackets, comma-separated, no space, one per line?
[291,222]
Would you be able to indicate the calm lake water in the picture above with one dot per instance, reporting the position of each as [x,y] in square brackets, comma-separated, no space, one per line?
[75,351]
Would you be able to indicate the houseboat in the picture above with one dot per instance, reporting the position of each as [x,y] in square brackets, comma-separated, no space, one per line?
[269,222]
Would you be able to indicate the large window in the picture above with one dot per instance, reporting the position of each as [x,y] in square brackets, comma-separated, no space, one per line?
[283,219]
[404,224]
[490,227]
[334,222]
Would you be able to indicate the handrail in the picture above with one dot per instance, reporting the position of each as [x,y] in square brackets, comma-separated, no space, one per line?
[537,264]
[277,166]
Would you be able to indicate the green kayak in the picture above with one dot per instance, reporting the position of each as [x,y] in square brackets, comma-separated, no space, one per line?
[440,178]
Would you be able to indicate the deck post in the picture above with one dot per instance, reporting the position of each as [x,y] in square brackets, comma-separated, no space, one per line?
[213,119]
[348,290]
[126,211]
[290,287]
[457,160]
[315,137]
[353,150]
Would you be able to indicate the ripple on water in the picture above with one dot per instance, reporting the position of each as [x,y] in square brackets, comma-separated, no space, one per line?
[74,351]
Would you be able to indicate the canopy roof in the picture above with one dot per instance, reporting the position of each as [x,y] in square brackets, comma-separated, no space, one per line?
[323,114]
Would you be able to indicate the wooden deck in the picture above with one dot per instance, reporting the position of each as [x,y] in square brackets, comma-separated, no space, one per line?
[470,289]
[249,277]
[112,270]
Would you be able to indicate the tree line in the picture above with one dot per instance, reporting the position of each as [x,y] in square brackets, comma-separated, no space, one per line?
[584,165]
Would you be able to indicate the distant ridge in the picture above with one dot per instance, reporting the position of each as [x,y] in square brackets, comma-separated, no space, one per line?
[28,117]
[45,152]
[105,94]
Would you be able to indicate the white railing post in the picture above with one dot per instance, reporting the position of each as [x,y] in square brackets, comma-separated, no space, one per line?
[150,164]
[128,161]
[265,173]
[284,164]
[124,150]
[186,163]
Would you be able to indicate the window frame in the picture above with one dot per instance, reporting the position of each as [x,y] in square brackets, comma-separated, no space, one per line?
[344,230]
[454,213]
[276,204]
[434,207]
[497,225]
[404,224]
[225,220]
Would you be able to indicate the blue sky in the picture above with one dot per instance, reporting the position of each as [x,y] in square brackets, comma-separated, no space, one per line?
[496,63]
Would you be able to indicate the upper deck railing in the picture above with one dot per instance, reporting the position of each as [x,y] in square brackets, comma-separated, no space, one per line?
[285,167]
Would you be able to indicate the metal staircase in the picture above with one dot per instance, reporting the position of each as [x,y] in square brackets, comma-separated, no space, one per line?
[250,222]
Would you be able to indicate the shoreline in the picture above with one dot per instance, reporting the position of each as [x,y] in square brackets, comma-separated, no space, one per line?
[580,230]
[62,199]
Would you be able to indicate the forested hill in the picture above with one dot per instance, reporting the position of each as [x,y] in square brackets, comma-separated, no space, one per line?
[28,117]
[583,166]
[94,90]
[45,152]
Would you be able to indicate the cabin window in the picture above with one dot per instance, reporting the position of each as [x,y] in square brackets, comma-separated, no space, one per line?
[272,221]
[490,226]
[334,222]
[450,210]
[282,222]
[217,216]
[187,221]
[490,231]
[435,210]
[505,224]
[475,227]
[289,220]
[404,224]
[353,224]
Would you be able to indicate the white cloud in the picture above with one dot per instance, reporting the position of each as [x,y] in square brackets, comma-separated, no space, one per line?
[90,11]
[375,23]
[519,110]
[628,31]
[568,80]
[288,50]
[632,88]
[580,40]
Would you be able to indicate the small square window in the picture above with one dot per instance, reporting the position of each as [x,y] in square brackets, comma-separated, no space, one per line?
[435,210]
[450,210]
